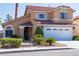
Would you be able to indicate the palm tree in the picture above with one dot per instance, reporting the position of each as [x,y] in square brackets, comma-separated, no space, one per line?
[16,10]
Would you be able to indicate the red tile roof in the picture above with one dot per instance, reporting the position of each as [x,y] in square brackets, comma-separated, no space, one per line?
[39,8]
[51,22]
[66,7]
[14,20]
[76,18]
[27,24]
[44,22]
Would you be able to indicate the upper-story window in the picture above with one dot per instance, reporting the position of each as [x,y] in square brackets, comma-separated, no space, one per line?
[63,15]
[41,16]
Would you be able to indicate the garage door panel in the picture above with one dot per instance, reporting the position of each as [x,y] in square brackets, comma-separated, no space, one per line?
[60,35]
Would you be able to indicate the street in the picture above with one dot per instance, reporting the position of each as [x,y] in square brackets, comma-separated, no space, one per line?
[67,52]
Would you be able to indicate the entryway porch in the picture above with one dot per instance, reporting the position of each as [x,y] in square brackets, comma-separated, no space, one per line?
[26,31]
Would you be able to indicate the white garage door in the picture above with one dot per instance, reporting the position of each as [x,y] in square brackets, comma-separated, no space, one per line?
[59,33]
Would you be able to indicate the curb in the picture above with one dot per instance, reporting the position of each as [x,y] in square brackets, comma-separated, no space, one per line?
[32,50]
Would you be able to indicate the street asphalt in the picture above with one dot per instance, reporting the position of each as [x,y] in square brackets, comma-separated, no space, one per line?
[63,52]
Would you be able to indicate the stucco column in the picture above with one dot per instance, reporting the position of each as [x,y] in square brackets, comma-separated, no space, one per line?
[21,31]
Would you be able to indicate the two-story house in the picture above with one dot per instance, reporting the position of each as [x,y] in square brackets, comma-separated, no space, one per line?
[54,21]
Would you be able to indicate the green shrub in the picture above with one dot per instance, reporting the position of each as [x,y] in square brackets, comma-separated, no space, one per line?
[38,31]
[76,38]
[13,42]
[51,40]
[38,36]
[43,41]
[16,36]
[39,39]
[16,42]
[4,41]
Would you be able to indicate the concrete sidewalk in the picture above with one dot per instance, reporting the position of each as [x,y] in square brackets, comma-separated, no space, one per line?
[29,49]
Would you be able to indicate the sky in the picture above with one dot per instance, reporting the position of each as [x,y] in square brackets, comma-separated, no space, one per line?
[9,8]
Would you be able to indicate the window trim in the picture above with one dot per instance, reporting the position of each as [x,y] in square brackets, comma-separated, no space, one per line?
[48,29]
[54,29]
[66,29]
[64,17]
[8,29]
[42,18]
[60,29]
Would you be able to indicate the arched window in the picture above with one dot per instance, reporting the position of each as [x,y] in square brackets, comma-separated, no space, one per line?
[9,31]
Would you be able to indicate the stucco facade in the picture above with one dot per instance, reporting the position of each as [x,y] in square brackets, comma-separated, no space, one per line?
[76,25]
[30,20]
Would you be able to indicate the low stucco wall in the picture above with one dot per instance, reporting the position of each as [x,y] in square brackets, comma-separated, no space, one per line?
[73,44]
[1,35]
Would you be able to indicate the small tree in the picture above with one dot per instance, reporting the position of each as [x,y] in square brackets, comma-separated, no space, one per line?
[39,31]
[8,17]
[0,21]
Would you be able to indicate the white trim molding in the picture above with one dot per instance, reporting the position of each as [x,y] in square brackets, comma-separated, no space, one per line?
[58,25]
[39,11]
[8,29]
[42,18]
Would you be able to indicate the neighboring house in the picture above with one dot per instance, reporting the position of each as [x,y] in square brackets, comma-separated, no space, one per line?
[76,26]
[55,22]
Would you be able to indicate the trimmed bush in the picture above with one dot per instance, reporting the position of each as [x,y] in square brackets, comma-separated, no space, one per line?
[16,43]
[38,36]
[43,41]
[39,40]
[76,38]
[13,42]
[51,40]
[39,31]
[4,41]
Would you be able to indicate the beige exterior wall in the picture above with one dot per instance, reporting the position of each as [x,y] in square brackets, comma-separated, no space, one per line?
[55,15]
[1,35]
[34,14]
[70,14]
[76,27]
[51,15]
[76,30]
[31,15]
[16,24]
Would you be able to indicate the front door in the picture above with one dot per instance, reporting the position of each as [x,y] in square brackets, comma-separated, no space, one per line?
[26,34]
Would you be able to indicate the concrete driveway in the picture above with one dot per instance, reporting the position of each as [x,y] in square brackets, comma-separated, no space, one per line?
[72,44]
